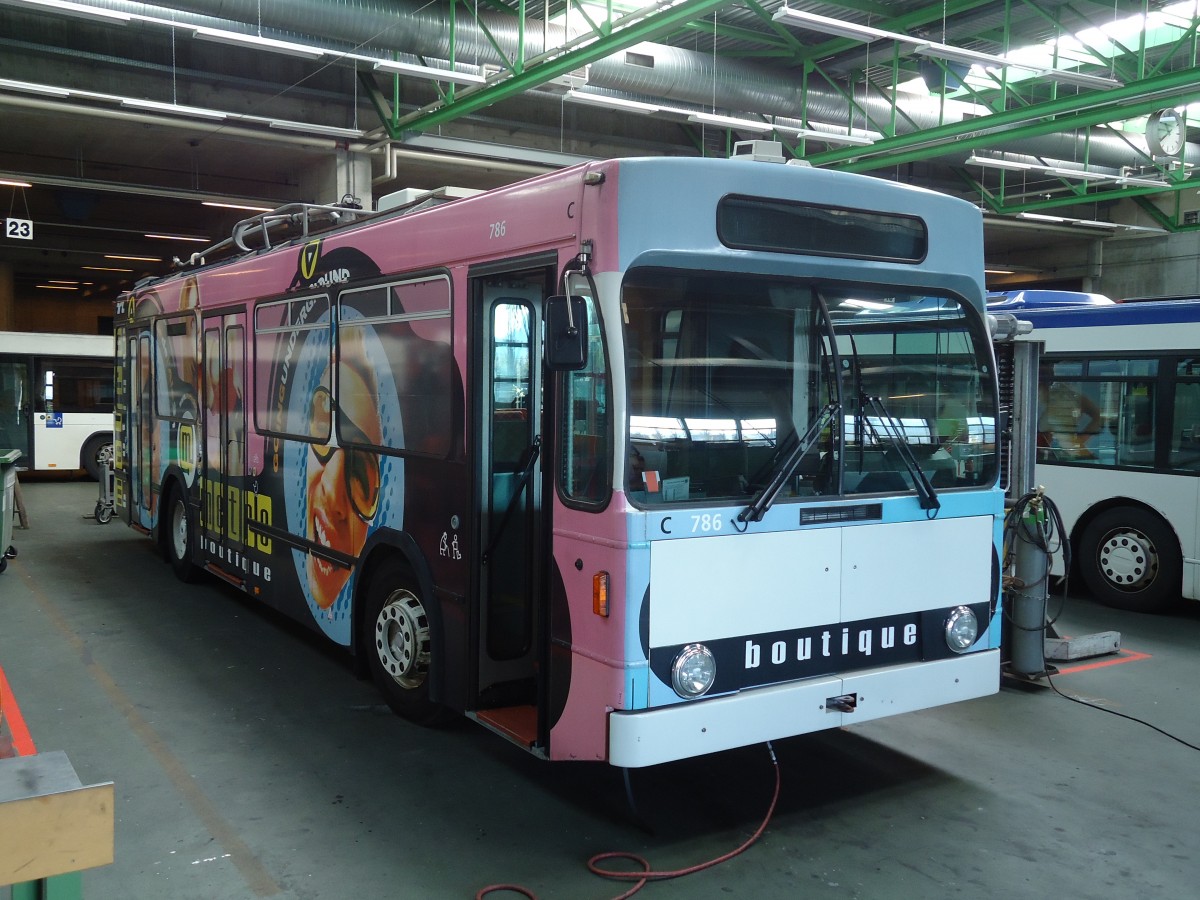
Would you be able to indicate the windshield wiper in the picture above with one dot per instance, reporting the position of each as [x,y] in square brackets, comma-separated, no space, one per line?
[787,465]
[926,495]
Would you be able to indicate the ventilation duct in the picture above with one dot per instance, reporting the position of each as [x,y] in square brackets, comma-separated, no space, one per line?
[648,71]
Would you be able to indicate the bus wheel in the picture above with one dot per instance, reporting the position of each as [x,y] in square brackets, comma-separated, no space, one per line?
[179,536]
[1129,558]
[97,453]
[397,643]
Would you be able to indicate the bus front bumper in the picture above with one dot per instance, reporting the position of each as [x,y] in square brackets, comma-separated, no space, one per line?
[647,737]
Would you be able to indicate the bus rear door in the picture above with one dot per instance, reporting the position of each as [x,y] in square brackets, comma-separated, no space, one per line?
[222,508]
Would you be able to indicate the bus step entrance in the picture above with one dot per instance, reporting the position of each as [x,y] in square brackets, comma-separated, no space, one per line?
[517,723]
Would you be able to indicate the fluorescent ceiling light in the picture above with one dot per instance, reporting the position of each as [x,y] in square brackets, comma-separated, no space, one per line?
[178,237]
[237,206]
[73,9]
[55,287]
[1079,174]
[832,137]
[30,88]
[840,28]
[612,102]
[238,39]
[1144,182]
[970,57]
[1063,220]
[134,258]
[989,163]
[104,269]
[156,106]
[330,130]
[433,74]
[1080,78]
[730,122]
[22,184]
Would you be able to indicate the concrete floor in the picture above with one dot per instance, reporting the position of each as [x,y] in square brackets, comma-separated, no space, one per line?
[249,762]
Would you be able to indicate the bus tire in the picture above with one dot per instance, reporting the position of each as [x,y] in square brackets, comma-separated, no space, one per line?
[397,643]
[1129,559]
[97,452]
[177,539]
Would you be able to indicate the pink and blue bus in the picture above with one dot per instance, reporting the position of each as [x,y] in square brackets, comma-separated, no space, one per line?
[630,462]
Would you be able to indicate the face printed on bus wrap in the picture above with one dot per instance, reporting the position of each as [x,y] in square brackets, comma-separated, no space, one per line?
[342,485]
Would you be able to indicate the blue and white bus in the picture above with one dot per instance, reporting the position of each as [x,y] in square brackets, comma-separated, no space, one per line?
[1118,446]
[56,400]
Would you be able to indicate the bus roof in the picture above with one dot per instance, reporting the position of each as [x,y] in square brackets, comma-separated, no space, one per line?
[1000,301]
[655,192]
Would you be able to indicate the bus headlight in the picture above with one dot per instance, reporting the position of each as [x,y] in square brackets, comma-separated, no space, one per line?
[693,671]
[962,628]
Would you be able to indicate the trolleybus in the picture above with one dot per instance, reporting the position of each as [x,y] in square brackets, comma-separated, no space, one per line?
[1119,442]
[631,462]
[56,400]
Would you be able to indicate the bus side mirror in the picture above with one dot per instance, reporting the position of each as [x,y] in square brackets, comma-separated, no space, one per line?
[566,333]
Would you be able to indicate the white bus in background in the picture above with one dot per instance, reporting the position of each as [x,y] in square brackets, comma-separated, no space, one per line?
[1118,446]
[56,400]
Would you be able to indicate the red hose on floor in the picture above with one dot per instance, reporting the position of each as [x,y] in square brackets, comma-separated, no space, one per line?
[648,874]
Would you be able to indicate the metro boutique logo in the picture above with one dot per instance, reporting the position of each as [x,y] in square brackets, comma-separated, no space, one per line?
[750,660]
[863,644]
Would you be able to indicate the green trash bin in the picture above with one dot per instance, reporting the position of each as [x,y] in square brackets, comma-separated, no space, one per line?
[8,480]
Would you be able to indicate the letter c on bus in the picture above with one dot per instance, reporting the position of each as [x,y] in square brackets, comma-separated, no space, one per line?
[663,525]
[571,210]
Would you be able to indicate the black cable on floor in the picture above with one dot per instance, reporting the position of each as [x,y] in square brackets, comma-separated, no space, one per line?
[1050,681]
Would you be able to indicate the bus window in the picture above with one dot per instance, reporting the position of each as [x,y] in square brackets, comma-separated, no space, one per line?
[1185,436]
[727,372]
[584,475]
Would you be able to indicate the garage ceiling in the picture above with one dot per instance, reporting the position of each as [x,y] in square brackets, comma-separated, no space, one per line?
[127,118]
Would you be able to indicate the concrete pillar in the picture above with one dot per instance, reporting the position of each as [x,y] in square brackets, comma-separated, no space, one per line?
[1095,266]
[8,300]
[344,172]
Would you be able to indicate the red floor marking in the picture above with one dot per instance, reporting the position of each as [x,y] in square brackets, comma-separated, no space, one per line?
[1123,656]
[21,740]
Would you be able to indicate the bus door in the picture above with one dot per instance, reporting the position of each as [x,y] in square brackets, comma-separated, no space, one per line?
[141,427]
[222,516]
[510,458]
[16,408]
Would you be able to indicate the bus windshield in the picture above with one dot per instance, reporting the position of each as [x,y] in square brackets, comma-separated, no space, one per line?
[727,372]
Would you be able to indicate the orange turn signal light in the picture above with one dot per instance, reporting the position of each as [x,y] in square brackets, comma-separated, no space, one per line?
[600,594]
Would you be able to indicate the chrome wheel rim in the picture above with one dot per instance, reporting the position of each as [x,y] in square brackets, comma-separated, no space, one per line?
[1128,560]
[179,535]
[402,639]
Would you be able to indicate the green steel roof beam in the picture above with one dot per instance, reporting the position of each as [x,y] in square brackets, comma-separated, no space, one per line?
[1158,215]
[643,24]
[850,101]
[1186,39]
[1118,193]
[581,10]
[916,18]
[867,6]
[786,36]
[1062,114]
